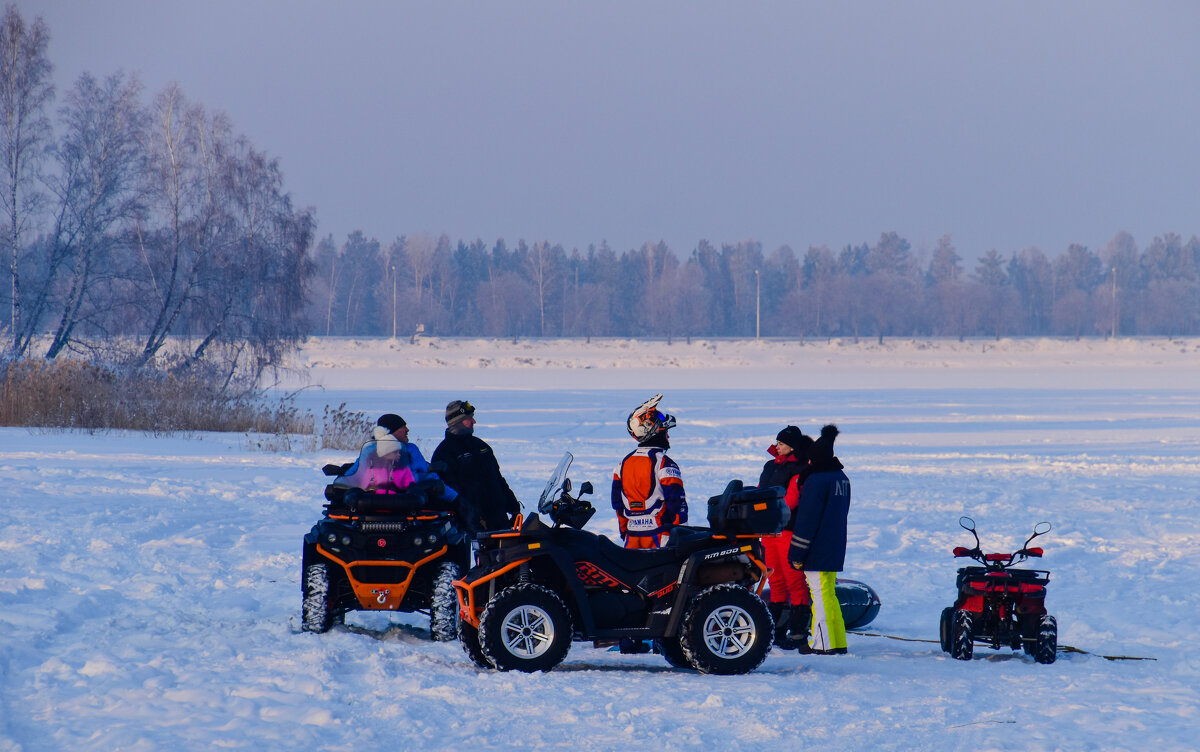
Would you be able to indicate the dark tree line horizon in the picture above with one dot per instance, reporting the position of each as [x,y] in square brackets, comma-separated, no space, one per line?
[880,289]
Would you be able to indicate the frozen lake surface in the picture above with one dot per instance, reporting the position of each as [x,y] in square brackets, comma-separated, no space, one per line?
[149,586]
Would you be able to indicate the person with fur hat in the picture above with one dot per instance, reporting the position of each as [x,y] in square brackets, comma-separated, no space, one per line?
[789,602]
[485,500]
[647,488]
[819,541]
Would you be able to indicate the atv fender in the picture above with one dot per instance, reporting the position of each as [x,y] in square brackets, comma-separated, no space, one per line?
[737,553]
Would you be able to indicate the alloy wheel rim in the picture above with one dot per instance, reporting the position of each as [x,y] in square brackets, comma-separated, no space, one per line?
[527,632]
[729,632]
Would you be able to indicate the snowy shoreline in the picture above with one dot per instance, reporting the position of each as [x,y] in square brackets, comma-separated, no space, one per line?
[466,363]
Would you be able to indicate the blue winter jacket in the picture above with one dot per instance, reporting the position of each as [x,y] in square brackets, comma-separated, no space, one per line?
[819,532]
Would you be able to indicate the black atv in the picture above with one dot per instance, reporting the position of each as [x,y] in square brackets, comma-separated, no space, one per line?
[998,605]
[536,588]
[383,552]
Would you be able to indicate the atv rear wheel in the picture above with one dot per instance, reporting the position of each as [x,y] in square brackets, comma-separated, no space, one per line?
[672,651]
[945,626]
[525,627]
[443,606]
[469,637]
[1047,640]
[962,645]
[317,612]
[727,630]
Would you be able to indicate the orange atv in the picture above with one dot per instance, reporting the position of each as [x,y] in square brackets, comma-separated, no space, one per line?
[383,552]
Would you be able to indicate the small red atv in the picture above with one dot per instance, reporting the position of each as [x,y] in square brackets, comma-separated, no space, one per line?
[999,605]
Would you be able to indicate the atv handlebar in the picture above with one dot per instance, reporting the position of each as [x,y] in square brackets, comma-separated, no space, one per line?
[998,561]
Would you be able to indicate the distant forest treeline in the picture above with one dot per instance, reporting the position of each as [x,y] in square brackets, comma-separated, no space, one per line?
[736,290]
[127,223]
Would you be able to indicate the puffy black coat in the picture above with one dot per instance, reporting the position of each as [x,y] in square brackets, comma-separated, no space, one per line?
[776,473]
[485,500]
[819,532]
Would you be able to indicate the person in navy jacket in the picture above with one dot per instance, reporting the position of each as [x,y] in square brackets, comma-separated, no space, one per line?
[819,541]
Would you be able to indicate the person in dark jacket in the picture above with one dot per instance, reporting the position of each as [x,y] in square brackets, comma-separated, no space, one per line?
[819,541]
[485,500]
[789,603]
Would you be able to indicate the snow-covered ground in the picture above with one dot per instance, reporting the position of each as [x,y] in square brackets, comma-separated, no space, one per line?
[149,586]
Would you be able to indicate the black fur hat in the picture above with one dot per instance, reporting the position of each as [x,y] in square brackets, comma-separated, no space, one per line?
[822,448]
[391,422]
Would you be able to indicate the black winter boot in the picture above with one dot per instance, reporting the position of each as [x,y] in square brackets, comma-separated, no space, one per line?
[779,615]
[798,623]
[776,608]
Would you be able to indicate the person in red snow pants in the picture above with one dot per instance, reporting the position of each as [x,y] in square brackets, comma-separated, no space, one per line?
[789,601]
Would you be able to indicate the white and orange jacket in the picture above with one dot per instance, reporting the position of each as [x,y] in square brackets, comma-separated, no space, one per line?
[647,493]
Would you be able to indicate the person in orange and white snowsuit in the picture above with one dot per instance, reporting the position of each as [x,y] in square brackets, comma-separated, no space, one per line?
[647,489]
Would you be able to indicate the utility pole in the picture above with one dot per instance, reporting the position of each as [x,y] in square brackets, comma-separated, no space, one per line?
[757,303]
[393,302]
[1114,302]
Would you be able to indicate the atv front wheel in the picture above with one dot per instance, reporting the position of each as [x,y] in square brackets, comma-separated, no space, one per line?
[317,612]
[962,645]
[1047,640]
[727,630]
[525,627]
[443,606]
[469,637]
[944,628]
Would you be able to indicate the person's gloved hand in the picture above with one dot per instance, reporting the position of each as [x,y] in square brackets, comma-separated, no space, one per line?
[794,562]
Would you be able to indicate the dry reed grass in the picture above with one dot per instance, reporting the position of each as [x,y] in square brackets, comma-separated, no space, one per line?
[77,394]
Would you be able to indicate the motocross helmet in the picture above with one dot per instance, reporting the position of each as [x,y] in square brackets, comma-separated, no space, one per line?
[646,421]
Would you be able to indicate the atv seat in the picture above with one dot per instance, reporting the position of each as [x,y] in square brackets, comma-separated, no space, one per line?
[684,536]
[640,559]
[635,559]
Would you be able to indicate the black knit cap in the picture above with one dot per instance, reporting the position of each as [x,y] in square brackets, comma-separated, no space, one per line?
[792,436]
[822,448]
[391,421]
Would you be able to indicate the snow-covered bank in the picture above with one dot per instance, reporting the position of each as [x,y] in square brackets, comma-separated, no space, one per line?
[434,363]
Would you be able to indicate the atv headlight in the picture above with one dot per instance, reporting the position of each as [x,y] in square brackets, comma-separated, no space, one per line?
[432,538]
[332,538]
[417,541]
[345,540]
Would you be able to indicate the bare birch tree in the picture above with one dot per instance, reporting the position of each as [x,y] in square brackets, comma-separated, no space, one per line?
[98,190]
[25,94]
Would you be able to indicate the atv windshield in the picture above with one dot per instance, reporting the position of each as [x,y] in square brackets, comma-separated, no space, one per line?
[555,486]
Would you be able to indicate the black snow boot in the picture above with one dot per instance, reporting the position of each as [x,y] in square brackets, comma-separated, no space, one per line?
[798,622]
[630,646]
[779,615]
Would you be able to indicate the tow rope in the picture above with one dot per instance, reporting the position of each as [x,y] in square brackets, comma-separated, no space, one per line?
[1061,648]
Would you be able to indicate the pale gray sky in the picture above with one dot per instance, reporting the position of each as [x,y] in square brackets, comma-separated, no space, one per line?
[1006,124]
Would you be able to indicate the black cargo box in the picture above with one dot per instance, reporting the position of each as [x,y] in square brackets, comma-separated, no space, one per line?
[748,511]
[355,501]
